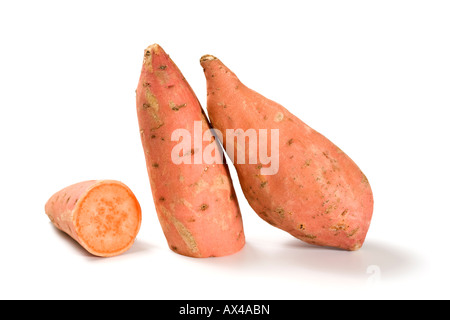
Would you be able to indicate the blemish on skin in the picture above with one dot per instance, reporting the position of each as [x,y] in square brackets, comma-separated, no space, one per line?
[352,233]
[338,227]
[364,179]
[307,163]
[327,155]
[278,117]
[152,101]
[184,232]
[175,107]
[148,60]
[162,199]
[203,207]
[163,67]
[152,106]
[219,180]
[290,141]
[263,184]
[330,208]
[155,165]
[280,212]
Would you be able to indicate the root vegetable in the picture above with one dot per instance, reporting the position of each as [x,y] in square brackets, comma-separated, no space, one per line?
[195,202]
[103,216]
[317,194]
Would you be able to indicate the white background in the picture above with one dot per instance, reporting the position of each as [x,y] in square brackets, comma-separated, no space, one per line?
[373,76]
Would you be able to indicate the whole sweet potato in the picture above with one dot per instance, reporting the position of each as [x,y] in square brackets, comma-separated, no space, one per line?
[195,201]
[312,189]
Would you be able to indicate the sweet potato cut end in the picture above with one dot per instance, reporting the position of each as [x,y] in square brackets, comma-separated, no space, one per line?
[207,57]
[108,219]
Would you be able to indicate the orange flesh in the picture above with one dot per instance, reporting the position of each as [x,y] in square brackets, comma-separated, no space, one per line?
[107,220]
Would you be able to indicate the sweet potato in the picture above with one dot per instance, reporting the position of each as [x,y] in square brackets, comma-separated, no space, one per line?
[317,193]
[103,216]
[195,202]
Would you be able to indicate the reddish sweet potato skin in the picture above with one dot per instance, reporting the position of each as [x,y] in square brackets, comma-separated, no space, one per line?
[196,203]
[59,208]
[319,194]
